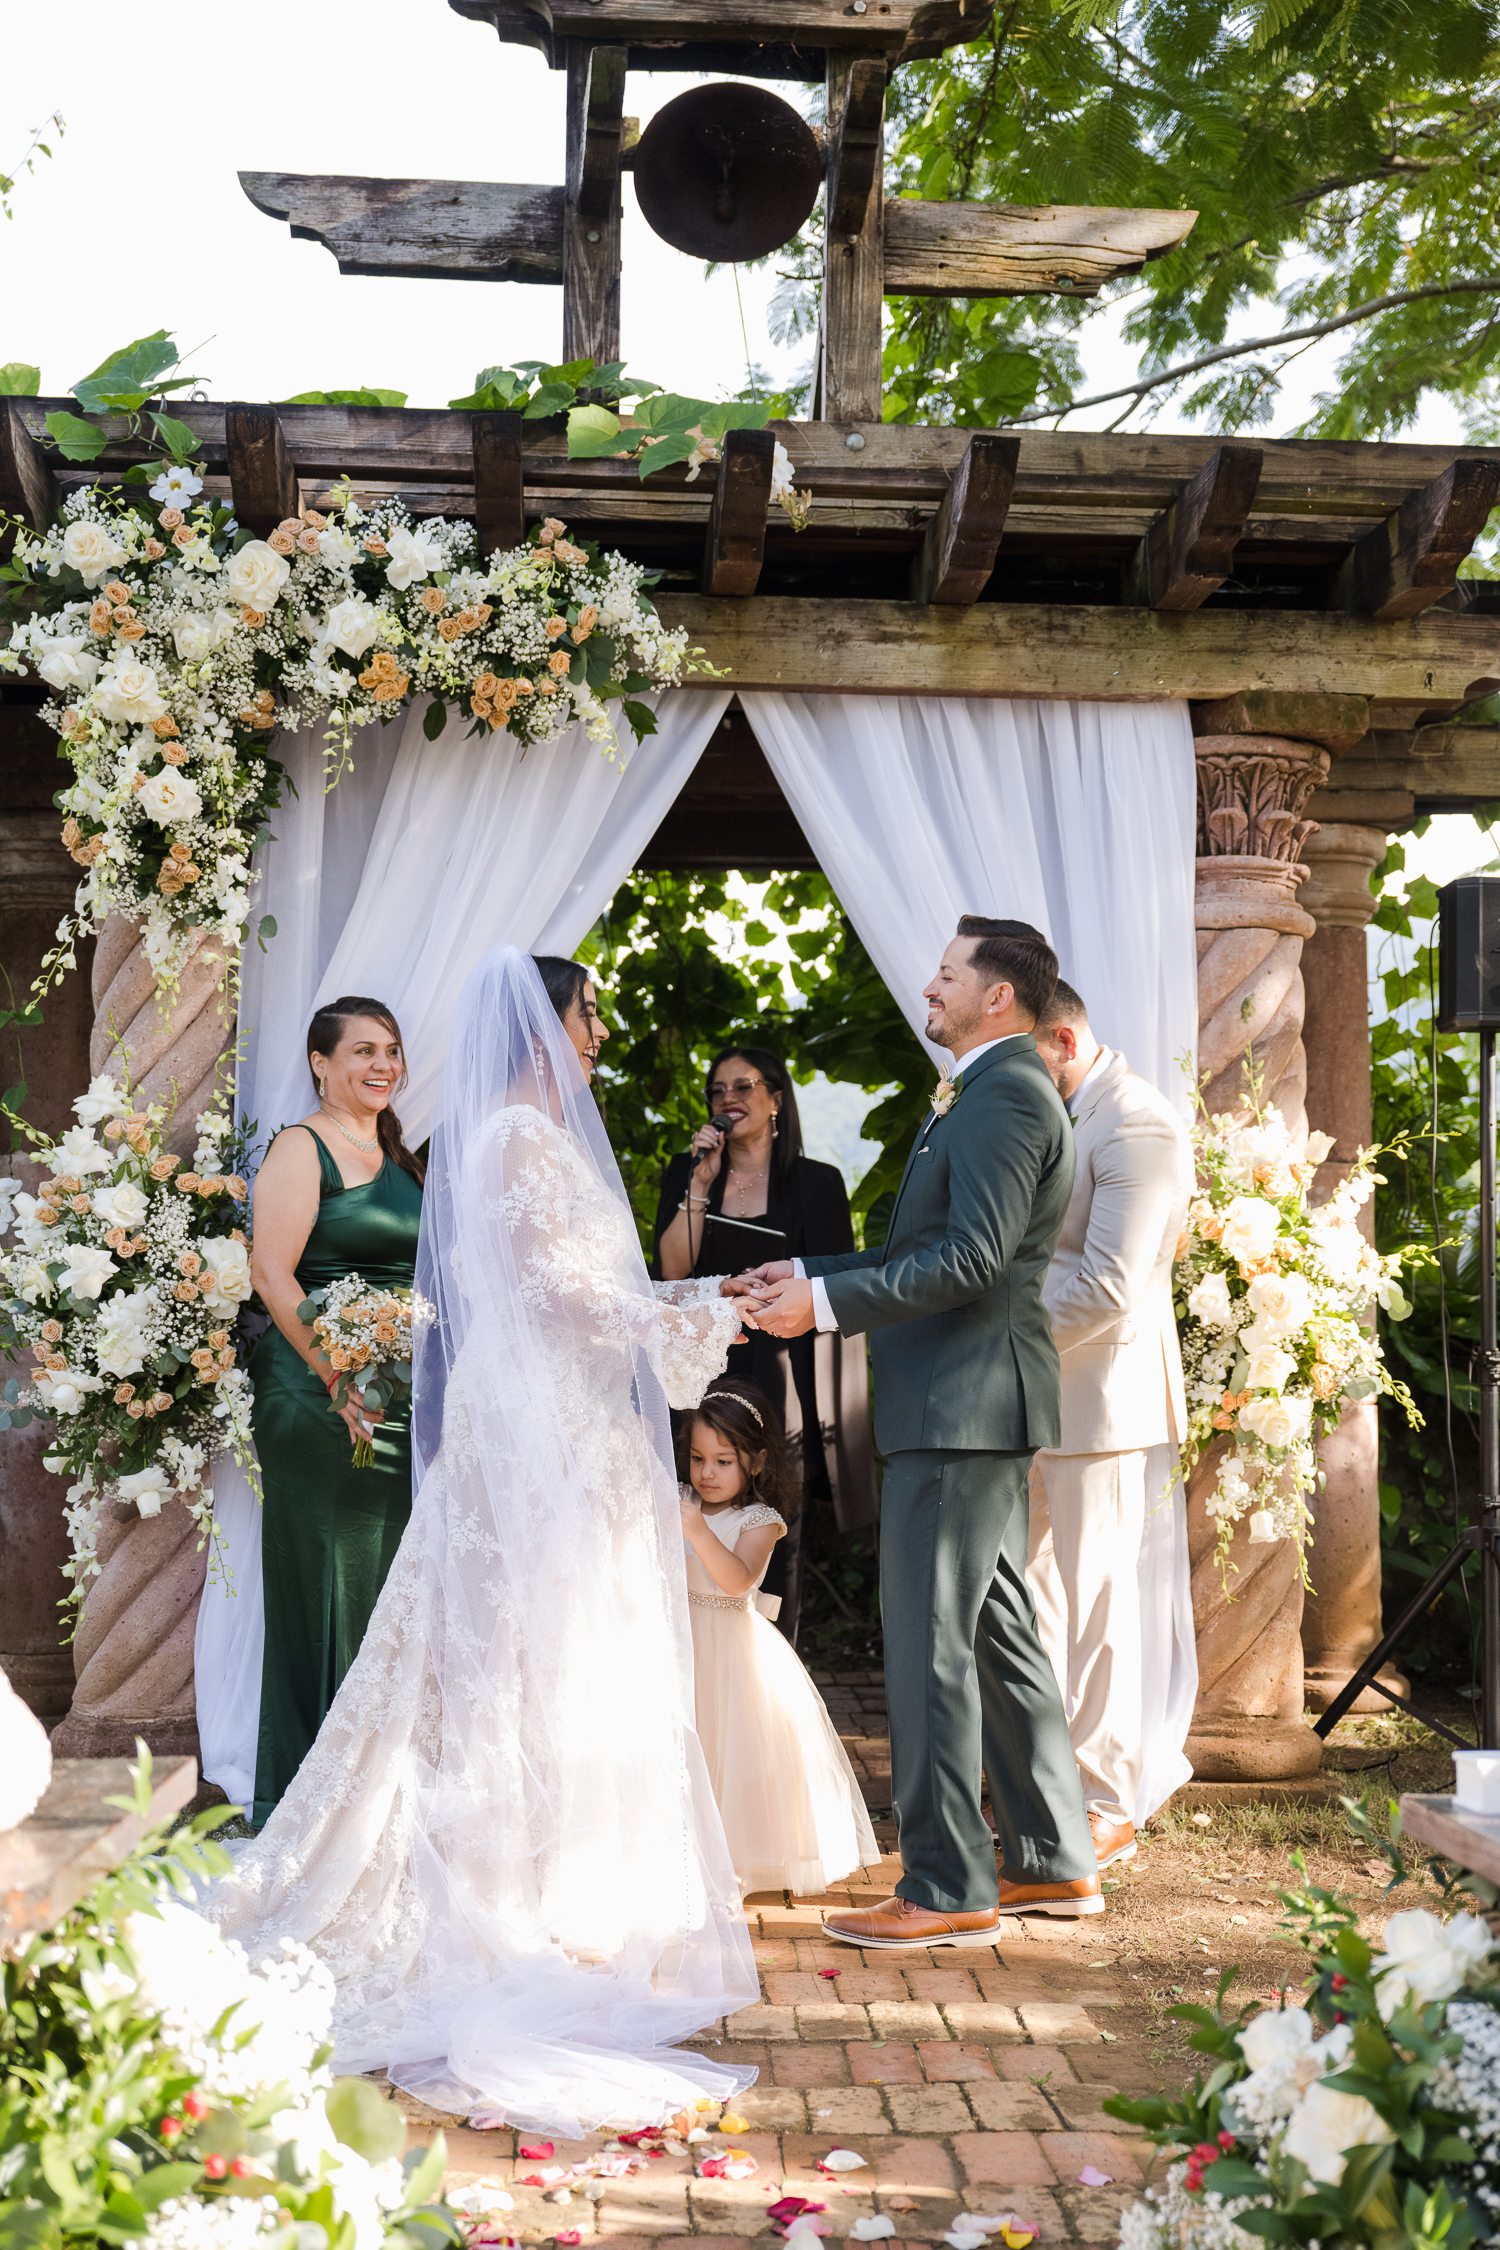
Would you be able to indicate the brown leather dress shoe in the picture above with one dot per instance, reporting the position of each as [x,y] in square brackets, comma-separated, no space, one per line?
[1113,1839]
[1082,1896]
[900,1921]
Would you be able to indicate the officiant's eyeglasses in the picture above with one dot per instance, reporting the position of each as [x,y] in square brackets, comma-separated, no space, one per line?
[736,1090]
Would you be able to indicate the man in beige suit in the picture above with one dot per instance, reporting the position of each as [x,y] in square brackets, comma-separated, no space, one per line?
[1108,1563]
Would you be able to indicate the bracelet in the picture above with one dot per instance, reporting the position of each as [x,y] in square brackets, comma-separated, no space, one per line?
[693,1202]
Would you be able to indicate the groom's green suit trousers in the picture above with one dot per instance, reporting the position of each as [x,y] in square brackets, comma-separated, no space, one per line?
[966,1389]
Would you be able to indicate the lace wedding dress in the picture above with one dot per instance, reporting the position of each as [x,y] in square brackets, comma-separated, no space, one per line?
[503,1842]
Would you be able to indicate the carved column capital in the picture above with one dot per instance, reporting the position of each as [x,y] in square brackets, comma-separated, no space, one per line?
[1251,792]
[1341,857]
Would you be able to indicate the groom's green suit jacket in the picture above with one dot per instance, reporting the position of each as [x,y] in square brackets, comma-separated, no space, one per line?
[960,1340]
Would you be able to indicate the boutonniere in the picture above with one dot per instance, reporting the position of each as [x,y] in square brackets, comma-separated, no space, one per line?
[945,1093]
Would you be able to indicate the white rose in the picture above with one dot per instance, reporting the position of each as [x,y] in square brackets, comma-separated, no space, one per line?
[412,555]
[120,1339]
[92,550]
[103,1100]
[1270,1370]
[1211,1303]
[1425,1959]
[147,1488]
[169,797]
[1319,1147]
[1326,2125]
[1278,1421]
[194,638]
[128,693]
[88,1269]
[76,1150]
[34,1284]
[1250,1227]
[1276,2036]
[353,625]
[122,1205]
[1281,1302]
[257,574]
[1339,1248]
[226,1279]
[68,663]
[65,1394]
[29,1232]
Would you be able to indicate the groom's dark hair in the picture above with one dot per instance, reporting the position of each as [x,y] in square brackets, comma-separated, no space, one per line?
[1065,1006]
[1012,953]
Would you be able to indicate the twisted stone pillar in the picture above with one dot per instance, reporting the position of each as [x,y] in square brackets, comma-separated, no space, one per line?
[1341,1622]
[1253,784]
[133,1656]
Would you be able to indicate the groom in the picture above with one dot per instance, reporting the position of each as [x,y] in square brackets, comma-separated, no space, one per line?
[966,1389]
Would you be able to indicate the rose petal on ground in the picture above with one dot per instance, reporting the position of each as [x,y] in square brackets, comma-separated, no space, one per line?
[729,2124]
[872,2230]
[537,2148]
[1091,2176]
[1016,2237]
[842,2160]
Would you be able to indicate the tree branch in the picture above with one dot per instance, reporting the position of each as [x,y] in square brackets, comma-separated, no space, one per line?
[1489,284]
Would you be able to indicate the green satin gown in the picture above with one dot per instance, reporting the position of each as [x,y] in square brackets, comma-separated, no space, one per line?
[330,1531]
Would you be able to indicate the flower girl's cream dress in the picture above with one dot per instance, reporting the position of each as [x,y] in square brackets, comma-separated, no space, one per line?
[791,1806]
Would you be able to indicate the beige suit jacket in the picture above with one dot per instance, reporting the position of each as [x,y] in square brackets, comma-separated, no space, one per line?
[1108,1290]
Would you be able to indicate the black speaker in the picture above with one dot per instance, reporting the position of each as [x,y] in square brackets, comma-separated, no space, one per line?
[1469,954]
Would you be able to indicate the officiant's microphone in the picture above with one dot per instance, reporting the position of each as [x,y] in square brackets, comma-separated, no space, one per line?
[723,1125]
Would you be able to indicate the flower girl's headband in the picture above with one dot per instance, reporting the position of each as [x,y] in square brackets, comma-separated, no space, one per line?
[749,1409]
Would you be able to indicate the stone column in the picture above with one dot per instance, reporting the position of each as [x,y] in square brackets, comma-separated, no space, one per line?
[134,1649]
[1341,1622]
[37,885]
[1259,759]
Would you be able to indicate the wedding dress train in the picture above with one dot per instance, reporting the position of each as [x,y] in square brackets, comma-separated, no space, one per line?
[503,1842]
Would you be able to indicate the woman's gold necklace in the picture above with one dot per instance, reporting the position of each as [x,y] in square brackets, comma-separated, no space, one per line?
[369,1147]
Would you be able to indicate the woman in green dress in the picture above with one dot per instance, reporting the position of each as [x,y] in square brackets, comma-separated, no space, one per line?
[338,1193]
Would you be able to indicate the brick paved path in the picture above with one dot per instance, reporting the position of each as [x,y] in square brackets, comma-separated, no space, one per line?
[969,2079]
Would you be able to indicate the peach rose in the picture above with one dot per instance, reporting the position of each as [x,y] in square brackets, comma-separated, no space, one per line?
[173,754]
[184,535]
[555,626]
[101,618]
[282,542]
[124,1393]
[131,629]
[481,613]
[189,1263]
[308,541]
[163,1167]
[117,593]
[313,520]
[186,1182]
[433,600]
[376,547]
[186,1292]
[291,525]
[52,1331]
[485,684]
[170,519]
[135,1410]
[200,1358]
[154,550]
[71,832]
[218,1337]
[164,727]
[449,628]
[162,1401]
[560,663]
[253,618]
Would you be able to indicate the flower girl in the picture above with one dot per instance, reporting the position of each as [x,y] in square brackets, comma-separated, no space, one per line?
[791,1806]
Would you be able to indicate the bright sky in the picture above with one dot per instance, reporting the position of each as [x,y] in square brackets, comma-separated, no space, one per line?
[139,222]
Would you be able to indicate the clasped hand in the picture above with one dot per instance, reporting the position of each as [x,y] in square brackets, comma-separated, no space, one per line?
[772,1299]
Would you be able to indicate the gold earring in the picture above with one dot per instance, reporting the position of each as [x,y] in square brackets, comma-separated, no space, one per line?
[322,1089]
[775,1126]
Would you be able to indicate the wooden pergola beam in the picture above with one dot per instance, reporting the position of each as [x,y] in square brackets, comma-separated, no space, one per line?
[499,482]
[463,230]
[963,538]
[591,227]
[27,486]
[856,152]
[1186,552]
[740,38]
[848,376]
[1412,561]
[1015,250]
[262,479]
[735,547]
[1110,655]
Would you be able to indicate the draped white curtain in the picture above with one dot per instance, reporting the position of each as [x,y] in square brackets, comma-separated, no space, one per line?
[1076,817]
[394,884]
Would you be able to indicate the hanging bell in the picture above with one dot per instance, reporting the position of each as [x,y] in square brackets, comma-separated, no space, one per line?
[727,172]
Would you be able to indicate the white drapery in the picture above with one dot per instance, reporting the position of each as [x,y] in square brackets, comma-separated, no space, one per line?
[393,885]
[1078,818]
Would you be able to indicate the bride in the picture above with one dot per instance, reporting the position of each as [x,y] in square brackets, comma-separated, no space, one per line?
[503,1842]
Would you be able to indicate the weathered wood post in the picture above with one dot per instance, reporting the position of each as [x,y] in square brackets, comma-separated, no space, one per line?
[1341,1622]
[1260,756]
[133,1654]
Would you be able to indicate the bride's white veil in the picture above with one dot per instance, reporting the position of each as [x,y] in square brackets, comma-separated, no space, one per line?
[577,1909]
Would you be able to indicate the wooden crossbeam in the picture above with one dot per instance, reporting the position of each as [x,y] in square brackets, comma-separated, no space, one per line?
[465,230]
[262,480]
[854,157]
[738,38]
[1017,249]
[735,547]
[1186,552]
[1412,560]
[499,482]
[1116,655]
[591,226]
[27,485]
[963,538]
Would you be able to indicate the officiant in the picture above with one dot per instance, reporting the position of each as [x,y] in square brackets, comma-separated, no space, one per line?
[745,1195]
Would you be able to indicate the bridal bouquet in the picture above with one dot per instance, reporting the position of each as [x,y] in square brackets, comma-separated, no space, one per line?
[366,1334]
[175,643]
[1368,2116]
[1270,1300]
[159,2088]
[125,1284]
